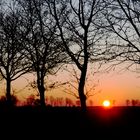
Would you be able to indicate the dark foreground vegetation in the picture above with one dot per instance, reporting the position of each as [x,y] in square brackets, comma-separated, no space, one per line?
[70,123]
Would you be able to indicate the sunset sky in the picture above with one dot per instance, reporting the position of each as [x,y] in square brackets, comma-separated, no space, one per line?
[113,85]
[118,87]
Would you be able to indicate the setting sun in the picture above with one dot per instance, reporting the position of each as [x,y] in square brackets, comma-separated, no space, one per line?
[106,103]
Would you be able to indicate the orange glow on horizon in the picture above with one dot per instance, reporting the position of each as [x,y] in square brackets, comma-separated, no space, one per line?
[106,103]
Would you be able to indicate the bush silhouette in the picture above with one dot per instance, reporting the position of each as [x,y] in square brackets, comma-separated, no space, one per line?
[3,101]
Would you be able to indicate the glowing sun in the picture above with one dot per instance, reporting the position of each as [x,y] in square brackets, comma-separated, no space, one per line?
[106,103]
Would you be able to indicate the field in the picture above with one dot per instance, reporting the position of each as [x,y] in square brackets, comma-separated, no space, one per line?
[70,123]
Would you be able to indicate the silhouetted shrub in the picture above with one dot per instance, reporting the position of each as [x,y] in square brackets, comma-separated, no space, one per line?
[32,101]
[3,101]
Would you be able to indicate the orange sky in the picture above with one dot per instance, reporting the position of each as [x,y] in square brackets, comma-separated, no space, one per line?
[118,87]
[111,86]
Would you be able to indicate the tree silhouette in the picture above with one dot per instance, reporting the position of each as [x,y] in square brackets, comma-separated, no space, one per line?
[43,49]
[71,86]
[77,29]
[127,102]
[122,20]
[12,60]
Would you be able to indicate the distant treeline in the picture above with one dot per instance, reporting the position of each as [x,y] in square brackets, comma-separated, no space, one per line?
[41,36]
[133,102]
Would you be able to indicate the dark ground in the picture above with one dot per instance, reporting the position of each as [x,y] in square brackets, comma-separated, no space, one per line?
[70,123]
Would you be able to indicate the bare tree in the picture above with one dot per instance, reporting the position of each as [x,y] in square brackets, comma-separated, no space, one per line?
[12,60]
[43,49]
[77,29]
[71,86]
[122,20]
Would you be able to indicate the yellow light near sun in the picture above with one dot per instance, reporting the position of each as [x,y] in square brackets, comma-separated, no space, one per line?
[106,103]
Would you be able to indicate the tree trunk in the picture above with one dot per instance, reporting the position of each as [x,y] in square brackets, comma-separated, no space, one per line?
[42,95]
[81,89]
[83,75]
[41,88]
[82,97]
[8,92]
